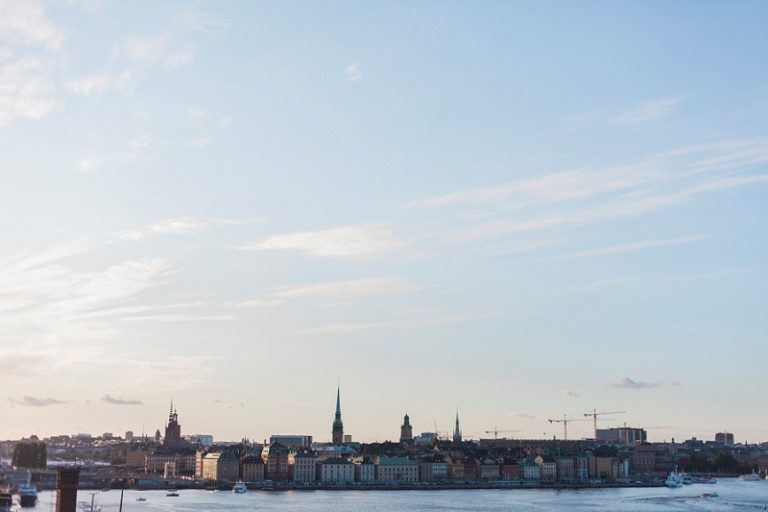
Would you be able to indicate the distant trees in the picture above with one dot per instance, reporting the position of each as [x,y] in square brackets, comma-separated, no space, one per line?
[31,455]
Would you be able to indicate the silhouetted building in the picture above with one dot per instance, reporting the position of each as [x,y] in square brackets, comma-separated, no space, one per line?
[337,432]
[457,430]
[724,438]
[622,435]
[172,429]
[406,430]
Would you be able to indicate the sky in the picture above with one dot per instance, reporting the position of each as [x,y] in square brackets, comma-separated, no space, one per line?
[513,210]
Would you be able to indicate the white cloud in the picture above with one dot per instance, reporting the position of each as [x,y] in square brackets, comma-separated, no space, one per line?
[183,57]
[636,246]
[348,289]
[25,22]
[341,242]
[647,111]
[25,91]
[143,48]
[197,20]
[120,401]
[89,85]
[137,148]
[142,114]
[353,72]
[568,393]
[194,114]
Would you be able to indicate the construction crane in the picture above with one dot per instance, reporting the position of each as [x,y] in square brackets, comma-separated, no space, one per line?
[565,421]
[496,431]
[595,414]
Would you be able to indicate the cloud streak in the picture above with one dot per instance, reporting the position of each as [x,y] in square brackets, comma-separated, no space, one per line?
[31,401]
[634,247]
[340,242]
[629,383]
[120,401]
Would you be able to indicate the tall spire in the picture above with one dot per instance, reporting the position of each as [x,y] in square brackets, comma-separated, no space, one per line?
[337,432]
[457,430]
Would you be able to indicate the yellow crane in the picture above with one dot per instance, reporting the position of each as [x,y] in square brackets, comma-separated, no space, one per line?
[595,414]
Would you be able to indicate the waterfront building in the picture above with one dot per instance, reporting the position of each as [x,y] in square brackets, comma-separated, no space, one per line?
[457,430]
[488,470]
[601,467]
[277,462]
[337,431]
[566,469]
[406,430]
[531,471]
[365,471]
[252,468]
[432,471]
[184,461]
[644,460]
[204,440]
[456,470]
[220,466]
[396,469]
[172,429]
[581,468]
[303,466]
[548,472]
[337,471]
[511,472]
[295,442]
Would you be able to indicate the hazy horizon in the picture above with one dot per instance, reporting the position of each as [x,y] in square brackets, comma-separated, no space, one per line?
[514,210]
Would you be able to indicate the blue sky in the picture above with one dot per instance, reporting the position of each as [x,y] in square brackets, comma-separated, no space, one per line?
[515,209]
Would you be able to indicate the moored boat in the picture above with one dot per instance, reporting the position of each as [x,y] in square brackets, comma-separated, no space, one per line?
[28,495]
[240,487]
[752,477]
[674,480]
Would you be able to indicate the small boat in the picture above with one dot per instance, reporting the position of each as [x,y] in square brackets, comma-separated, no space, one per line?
[707,495]
[6,501]
[28,495]
[674,480]
[141,498]
[687,479]
[753,477]
[172,493]
[240,487]
[704,480]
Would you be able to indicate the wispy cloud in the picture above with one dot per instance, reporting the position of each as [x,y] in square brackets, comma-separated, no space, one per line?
[120,401]
[181,226]
[523,415]
[182,57]
[348,289]
[633,247]
[353,72]
[31,401]
[643,112]
[578,197]
[136,149]
[25,91]
[569,393]
[341,242]
[628,383]
[26,23]
[97,83]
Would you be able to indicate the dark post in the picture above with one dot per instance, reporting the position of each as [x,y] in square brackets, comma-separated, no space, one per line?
[66,489]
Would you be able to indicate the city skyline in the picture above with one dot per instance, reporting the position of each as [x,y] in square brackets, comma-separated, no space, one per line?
[518,211]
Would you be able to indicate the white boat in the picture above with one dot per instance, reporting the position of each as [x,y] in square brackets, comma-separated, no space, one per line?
[753,477]
[674,480]
[240,487]
[172,493]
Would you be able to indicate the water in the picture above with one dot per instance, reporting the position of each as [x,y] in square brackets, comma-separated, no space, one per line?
[733,495]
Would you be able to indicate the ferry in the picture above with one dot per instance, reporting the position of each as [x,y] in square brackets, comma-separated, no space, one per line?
[28,495]
[674,480]
[240,487]
[753,477]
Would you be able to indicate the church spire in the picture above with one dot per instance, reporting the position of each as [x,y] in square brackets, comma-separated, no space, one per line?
[337,432]
[457,430]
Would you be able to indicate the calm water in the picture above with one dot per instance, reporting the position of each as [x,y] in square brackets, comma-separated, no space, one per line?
[733,495]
